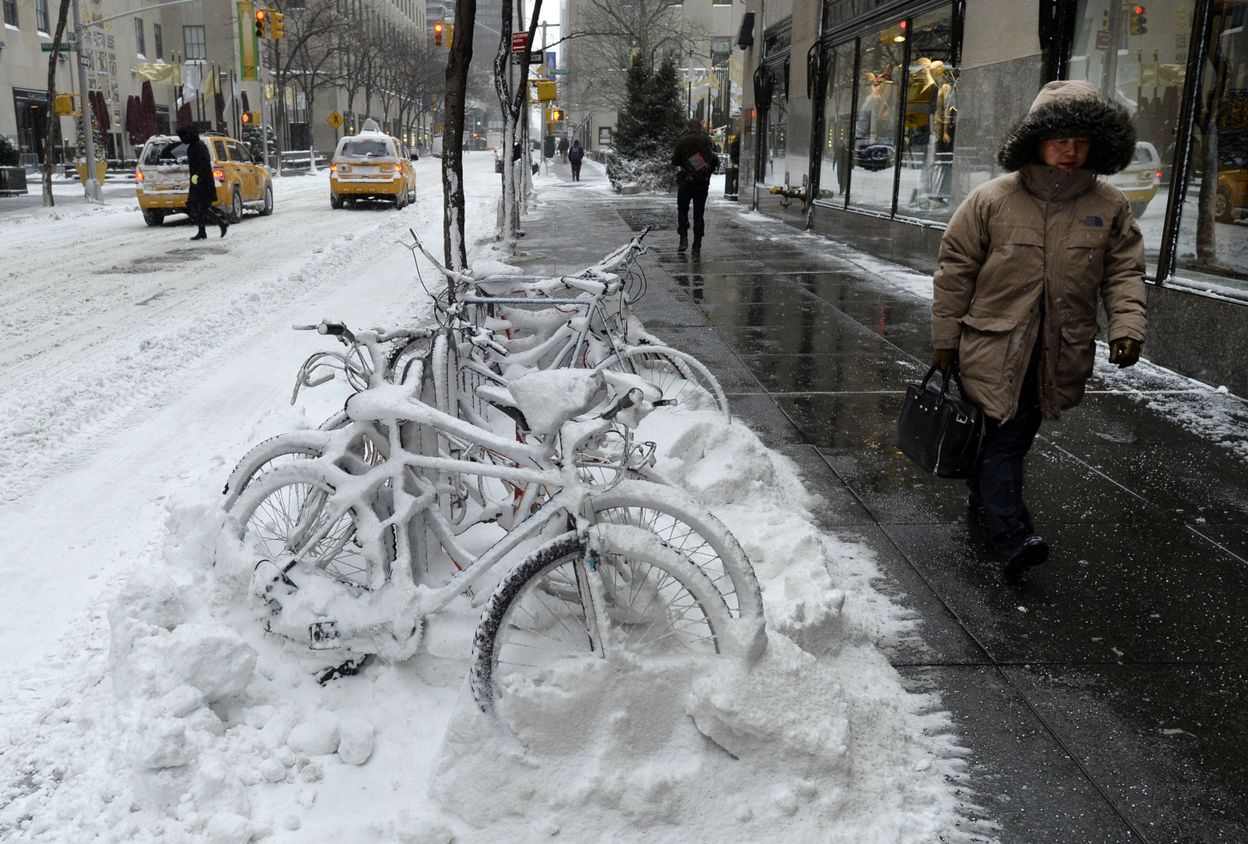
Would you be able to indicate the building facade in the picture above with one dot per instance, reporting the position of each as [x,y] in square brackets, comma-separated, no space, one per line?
[866,118]
[191,56]
[700,45]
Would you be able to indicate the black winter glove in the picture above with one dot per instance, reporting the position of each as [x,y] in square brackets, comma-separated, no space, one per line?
[943,359]
[1124,351]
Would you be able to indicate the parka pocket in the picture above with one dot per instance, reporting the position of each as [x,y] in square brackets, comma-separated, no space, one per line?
[1085,256]
[984,351]
[1075,361]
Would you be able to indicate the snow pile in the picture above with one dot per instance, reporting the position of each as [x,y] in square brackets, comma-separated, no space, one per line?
[196,726]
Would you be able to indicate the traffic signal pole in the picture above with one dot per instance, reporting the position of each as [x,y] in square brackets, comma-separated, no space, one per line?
[91,186]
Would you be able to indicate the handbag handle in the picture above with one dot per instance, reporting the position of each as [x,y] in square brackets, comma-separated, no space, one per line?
[950,375]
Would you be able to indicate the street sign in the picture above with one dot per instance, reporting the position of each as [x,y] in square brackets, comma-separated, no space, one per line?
[334,119]
[536,59]
[559,71]
[64,48]
[519,41]
[1102,39]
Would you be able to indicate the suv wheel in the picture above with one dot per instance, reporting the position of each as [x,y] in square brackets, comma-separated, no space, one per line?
[335,201]
[153,217]
[1222,207]
[268,201]
[236,207]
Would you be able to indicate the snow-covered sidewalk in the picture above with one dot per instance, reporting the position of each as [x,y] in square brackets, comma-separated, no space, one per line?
[154,709]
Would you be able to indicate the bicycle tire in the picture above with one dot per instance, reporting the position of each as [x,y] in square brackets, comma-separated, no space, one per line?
[673,372]
[291,499]
[280,450]
[646,585]
[690,529]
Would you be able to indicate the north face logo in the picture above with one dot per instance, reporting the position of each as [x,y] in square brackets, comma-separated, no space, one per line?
[1093,222]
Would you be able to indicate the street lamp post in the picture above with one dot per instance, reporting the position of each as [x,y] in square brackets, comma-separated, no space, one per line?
[90,184]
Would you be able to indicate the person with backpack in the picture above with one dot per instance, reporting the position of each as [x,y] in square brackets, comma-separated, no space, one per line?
[575,154]
[563,149]
[695,160]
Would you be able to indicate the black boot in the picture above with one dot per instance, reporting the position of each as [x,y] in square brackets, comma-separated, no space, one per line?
[224,227]
[1023,550]
[697,250]
[202,234]
[683,245]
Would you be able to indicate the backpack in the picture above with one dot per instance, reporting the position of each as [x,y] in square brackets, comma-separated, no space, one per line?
[700,165]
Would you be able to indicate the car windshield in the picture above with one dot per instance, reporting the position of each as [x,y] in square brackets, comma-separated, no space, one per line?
[1143,156]
[166,152]
[365,149]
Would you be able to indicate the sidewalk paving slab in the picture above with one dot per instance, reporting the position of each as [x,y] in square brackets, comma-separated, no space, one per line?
[1098,698]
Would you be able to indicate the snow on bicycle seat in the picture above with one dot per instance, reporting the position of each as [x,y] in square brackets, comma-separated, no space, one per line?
[548,398]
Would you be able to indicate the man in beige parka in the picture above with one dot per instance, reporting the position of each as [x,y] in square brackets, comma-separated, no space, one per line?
[1021,267]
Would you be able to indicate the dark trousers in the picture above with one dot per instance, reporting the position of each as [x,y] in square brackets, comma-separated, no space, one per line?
[695,190]
[998,484]
[576,171]
[204,213]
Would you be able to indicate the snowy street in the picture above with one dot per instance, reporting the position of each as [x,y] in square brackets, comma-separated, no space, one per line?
[143,701]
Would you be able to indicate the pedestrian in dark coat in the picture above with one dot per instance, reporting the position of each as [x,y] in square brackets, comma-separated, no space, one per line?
[203,191]
[563,149]
[575,154]
[1022,265]
[695,160]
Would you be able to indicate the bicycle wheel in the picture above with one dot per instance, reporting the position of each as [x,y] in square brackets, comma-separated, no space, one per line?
[678,376]
[685,526]
[284,513]
[300,445]
[535,624]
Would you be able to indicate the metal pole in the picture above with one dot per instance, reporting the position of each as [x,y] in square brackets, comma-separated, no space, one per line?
[91,186]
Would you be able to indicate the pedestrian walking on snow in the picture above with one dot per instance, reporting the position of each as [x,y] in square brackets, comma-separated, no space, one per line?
[695,160]
[575,154]
[563,149]
[1022,264]
[203,191]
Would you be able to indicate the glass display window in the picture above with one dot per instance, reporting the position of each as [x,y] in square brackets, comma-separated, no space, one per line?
[874,153]
[838,125]
[776,141]
[1212,242]
[929,120]
[1136,53]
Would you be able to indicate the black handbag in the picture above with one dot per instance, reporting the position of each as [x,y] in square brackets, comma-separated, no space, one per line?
[938,430]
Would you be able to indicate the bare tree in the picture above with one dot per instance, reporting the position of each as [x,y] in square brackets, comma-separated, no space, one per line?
[455,250]
[50,114]
[614,33]
[305,56]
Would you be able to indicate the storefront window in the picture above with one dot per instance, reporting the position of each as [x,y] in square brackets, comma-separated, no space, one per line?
[1212,245]
[777,137]
[930,119]
[875,125]
[1137,55]
[838,121]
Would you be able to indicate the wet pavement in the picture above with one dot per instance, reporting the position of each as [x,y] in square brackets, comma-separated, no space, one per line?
[1103,698]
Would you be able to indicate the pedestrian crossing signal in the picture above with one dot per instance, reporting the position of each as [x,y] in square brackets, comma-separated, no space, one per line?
[251,118]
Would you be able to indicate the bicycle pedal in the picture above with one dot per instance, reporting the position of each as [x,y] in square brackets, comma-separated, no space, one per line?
[323,635]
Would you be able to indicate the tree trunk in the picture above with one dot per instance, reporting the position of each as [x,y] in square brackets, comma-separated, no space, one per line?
[455,250]
[50,114]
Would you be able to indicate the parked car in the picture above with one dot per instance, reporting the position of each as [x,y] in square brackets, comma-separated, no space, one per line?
[1231,203]
[873,156]
[1140,179]
[371,165]
[162,178]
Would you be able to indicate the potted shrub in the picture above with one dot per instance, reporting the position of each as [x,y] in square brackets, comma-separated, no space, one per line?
[12,176]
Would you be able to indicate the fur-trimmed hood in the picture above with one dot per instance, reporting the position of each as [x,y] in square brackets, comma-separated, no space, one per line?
[1072,109]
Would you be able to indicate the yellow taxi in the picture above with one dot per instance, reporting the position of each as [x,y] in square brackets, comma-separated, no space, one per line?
[162,178]
[371,165]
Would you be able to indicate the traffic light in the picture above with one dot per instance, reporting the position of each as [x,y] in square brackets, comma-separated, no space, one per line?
[277,25]
[439,29]
[262,23]
[1139,23]
[251,118]
[556,114]
[450,35]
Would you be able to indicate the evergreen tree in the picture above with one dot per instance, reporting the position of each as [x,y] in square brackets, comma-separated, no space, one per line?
[668,102]
[633,138]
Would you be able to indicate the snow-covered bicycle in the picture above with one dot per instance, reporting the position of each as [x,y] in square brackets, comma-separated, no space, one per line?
[347,551]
